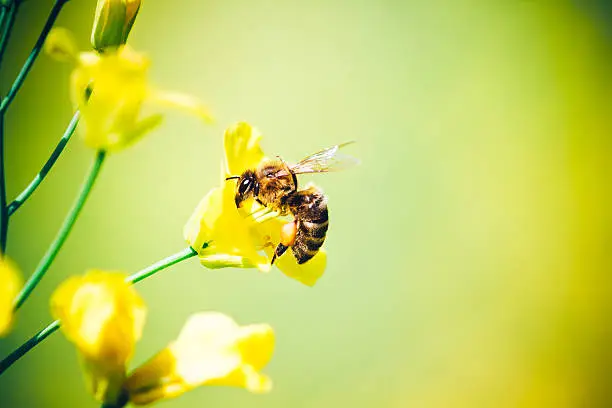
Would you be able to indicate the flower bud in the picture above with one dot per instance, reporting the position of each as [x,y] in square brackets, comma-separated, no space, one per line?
[113,22]
[60,45]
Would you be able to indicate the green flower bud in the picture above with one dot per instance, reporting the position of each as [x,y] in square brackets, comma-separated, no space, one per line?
[113,22]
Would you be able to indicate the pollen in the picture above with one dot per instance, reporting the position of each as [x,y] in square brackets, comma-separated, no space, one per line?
[288,232]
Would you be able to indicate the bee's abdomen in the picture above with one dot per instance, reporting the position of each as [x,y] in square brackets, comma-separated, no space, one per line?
[310,210]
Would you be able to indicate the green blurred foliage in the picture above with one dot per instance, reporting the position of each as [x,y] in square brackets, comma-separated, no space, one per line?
[469,254]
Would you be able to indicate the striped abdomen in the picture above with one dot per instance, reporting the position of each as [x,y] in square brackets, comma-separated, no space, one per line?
[309,207]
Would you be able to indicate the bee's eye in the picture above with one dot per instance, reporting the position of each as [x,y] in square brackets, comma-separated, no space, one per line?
[244,186]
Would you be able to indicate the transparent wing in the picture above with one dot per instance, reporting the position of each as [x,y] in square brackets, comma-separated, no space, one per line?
[330,159]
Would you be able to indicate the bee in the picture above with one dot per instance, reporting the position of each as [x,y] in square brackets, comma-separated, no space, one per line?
[274,185]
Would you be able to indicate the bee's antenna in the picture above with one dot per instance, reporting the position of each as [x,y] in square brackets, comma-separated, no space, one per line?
[232,178]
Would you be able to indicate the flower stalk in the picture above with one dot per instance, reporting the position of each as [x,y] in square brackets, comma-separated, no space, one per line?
[8,20]
[3,209]
[53,326]
[27,192]
[59,240]
[27,66]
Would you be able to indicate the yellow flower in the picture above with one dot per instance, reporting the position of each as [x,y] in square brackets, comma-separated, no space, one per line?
[113,22]
[103,316]
[210,350]
[225,236]
[10,284]
[111,90]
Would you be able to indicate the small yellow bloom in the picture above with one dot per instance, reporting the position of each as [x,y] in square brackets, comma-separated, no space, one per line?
[113,22]
[210,350]
[10,284]
[103,316]
[225,236]
[111,90]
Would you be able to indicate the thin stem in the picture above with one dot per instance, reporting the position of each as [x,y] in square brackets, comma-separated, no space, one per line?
[32,57]
[25,194]
[134,278]
[3,13]
[4,218]
[28,345]
[61,236]
[8,28]
[3,10]
[163,264]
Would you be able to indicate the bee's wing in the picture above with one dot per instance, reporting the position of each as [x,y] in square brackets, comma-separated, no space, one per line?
[330,159]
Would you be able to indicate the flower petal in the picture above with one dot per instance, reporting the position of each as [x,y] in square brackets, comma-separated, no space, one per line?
[187,103]
[119,85]
[10,284]
[242,150]
[211,349]
[103,316]
[139,130]
[308,273]
[220,235]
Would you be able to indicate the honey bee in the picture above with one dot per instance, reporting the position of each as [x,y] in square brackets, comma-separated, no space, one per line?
[274,185]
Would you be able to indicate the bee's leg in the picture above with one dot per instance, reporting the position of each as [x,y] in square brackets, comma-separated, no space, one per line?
[266,215]
[280,249]
[259,212]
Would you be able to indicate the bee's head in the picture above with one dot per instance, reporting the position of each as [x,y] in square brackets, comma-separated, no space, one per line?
[246,187]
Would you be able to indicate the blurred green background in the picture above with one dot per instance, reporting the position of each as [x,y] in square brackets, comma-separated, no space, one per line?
[469,255]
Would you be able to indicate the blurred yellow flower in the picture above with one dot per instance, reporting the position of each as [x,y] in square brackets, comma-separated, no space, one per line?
[103,316]
[210,350]
[225,236]
[10,284]
[111,90]
[113,22]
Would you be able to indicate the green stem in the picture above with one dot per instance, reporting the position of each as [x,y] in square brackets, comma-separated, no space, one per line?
[136,277]
[4,218]
[61,236]
[163,264]
[7,28]
[33,54]
[28,345]
[4,8]
[25,194]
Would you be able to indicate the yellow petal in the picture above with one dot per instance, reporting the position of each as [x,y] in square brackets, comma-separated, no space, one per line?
[220,235]
[187,103]
[242,150]
[118,85]
[60,45]
[103,316]
[210,350]
[138,130]
[10,284]
[307,273]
